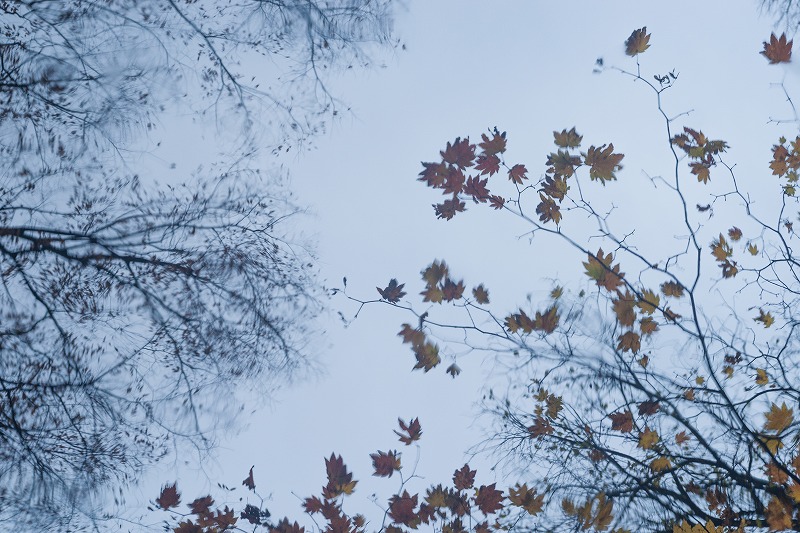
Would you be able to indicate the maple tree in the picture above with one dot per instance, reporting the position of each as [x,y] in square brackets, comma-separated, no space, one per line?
[640,408]
[136,306]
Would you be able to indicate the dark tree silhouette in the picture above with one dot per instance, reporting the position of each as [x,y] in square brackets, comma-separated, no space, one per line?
[132,313]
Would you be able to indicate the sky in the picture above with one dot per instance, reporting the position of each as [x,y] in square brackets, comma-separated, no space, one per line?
[525,68]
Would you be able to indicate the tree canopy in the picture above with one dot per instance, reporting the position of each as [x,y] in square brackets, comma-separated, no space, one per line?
[658,394]
[133,311]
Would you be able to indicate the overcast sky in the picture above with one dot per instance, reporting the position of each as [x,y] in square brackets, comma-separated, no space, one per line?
[527,68]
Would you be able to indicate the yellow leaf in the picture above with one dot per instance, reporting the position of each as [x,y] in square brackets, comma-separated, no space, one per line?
[762,378]
[699,380]
[765,318]
[647,439]
[660,463]
[649,302]
[778,418]
[753,249]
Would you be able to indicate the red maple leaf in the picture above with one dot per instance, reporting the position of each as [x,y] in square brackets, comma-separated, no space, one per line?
[401,509]
[488,164]
[385,464]
[622,421]
[517,174]
[489,499]
[169,497]
[449,208]
[340,481]
[434,174]
[393,292]
[464,478]
[495,145]
[411,432]
[497,201]
[460,153]
[476,188]
[778,50]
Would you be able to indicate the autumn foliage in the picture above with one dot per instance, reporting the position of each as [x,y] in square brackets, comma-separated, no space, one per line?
[640,408]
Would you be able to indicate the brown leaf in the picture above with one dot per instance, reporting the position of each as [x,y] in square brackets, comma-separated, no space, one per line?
[622,421]
[401,509]
[629,342]
[568,139]
[603,162]
[464,478]
[488,499]
[522,496]
[285,527]
[393,292]
[638,42]
[460,153]
[340,481]
[778,50]
[385,464]
[248,481]
[517,174]
[169,497]
[649,407]
[481,294]
[495,145]
[488,164]
[410,432]
[778,418]
[448,209]
[453,370]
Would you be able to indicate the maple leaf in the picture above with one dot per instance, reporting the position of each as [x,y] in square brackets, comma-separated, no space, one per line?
[248,481]
[649,302]
[412,336]
[497,202]
[488,499]
[648,438]
[638,42]
[623,307]
[648,326]
[702,170]
[476,188]
[522,496]
[567,139]
[385,464]
[435,272]
[411,432]
[671,288]
[776,474]
[681,438]
[735,233]
[660,463]
[778,515]
[169,497]
[252,514]
[622,421]
[720,249]
[555,187]
[541,427]
[602,162]
[187,526]
[488,164]
[779,163]
[464,478]
[434,174]
[649,407]
[599,269]
[460,153]
[548,210]
[778,50]
[762,378]
[201,506]
[454,181]
[778,418]
[312,505]
[427,356]
[629,341]
[452,291]
[340,481]
[563,164]
[448,209]
[547,321]
[401,509]
[495,145]
[285,527]
[554,406]
[765,318]
[393,292]
[517,174]
[481,294]
[453,370]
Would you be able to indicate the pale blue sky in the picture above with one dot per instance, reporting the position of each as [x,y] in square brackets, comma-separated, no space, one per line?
[525,67]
